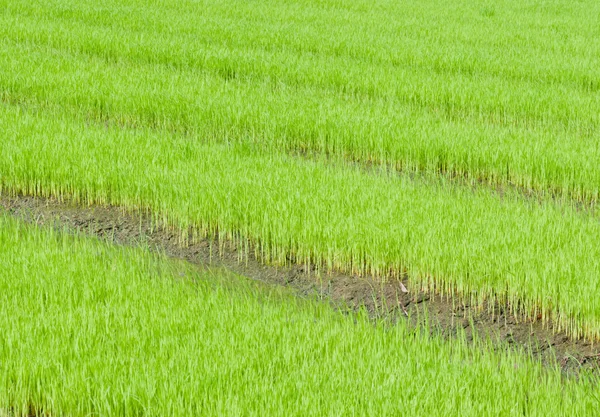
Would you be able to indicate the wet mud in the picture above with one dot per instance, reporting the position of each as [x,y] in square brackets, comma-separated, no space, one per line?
[390,301]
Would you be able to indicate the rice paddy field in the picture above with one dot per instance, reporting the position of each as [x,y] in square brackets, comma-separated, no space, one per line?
[450,146]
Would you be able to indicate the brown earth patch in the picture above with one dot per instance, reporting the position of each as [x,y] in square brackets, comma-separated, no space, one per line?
[392,300]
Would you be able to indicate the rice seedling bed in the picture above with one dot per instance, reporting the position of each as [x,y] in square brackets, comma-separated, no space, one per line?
[496,95]
[194,113]
[446,239]
[390,301]
[131,333]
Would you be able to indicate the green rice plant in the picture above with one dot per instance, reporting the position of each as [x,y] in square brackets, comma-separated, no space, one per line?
[90,329]
[505,93]
[542,258]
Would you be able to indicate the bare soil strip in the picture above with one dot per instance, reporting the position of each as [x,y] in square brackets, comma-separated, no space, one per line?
[392,300]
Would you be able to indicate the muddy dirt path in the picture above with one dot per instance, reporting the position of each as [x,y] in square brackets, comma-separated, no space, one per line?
[389,301]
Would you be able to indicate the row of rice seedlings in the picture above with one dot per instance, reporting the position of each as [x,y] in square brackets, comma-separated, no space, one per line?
[539,257]
[90,329]
[532,124]
[397,33]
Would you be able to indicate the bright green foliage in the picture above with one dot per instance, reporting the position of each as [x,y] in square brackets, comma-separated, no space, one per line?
[192,108]
[540,257]
[507,91]
[89,329]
